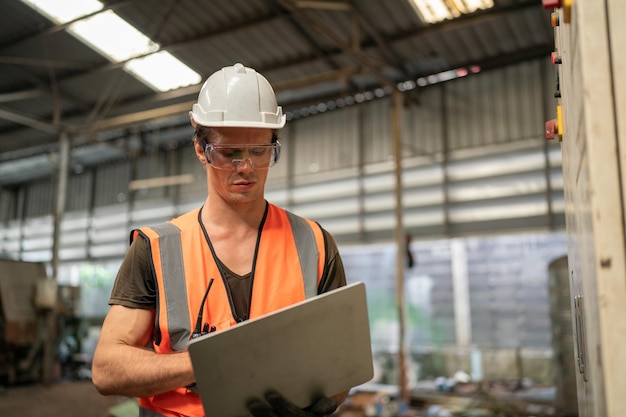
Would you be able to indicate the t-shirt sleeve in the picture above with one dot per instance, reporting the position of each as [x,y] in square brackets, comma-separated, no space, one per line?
[334,274]
[135,283]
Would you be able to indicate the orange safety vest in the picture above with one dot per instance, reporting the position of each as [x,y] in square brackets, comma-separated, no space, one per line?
[289,266]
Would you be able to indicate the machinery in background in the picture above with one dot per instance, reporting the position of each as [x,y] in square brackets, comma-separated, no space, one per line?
[28,298]
[72,330]
[22,334]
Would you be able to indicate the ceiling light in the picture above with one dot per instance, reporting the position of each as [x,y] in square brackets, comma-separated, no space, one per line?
[119,41]
[64,11]
[470,6]
[157,69]
[112,36]
[432,11]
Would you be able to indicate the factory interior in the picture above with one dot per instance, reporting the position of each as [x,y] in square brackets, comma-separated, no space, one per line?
[464,155]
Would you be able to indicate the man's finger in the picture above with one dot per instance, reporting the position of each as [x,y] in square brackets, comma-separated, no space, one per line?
[259,408]
[324,406]
[283,407]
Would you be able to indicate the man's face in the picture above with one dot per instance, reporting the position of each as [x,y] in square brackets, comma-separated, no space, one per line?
[241,182]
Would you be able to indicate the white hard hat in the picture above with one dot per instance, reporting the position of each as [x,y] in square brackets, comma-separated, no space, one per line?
[237,96]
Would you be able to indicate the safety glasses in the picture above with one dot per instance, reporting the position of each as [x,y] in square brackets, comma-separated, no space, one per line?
[229,157]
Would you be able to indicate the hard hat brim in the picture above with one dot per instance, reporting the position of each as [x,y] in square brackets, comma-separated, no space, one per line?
[238,123]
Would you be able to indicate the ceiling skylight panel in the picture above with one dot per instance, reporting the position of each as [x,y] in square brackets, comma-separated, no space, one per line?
[157,69]
[432,11]
[63,11]
[113,37]
[470,6]
[119,41]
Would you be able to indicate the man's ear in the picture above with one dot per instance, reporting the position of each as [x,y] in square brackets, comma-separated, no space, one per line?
[199,151]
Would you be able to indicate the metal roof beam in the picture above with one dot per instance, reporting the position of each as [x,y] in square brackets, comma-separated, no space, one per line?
[383,44]
[29,121]
[362,59]
[21,95]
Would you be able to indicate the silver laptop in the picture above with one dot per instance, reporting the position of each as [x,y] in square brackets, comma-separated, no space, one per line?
[318,347]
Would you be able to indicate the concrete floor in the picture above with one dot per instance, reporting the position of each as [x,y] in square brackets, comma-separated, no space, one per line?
[60,399]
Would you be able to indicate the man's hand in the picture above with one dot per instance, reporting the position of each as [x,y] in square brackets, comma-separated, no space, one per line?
[280,407]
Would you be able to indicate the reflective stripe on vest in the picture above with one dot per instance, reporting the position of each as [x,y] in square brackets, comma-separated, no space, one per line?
[306,245]
[175,289]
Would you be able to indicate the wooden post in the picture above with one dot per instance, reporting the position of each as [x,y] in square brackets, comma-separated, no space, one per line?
[396,127]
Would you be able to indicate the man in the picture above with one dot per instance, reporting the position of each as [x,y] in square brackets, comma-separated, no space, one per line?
[254,258]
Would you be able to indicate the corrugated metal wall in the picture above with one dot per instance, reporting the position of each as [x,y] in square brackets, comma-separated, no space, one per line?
[507,293]
[499,107]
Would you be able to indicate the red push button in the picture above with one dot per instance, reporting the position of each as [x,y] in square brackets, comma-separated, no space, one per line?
[552,4]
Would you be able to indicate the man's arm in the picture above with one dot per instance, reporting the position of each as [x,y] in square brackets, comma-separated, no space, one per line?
[334,275]
[122,365]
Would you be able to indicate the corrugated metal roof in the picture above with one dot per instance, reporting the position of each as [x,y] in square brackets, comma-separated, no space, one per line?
[44,70]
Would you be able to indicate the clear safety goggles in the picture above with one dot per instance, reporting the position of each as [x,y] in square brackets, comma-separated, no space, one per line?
[229,157]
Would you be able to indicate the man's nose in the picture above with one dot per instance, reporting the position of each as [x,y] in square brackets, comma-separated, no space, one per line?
[244,164]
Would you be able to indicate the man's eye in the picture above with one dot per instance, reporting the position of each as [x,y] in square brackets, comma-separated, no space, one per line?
[230,153]
[258,151]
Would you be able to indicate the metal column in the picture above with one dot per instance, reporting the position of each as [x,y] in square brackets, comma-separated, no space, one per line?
[59,208]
